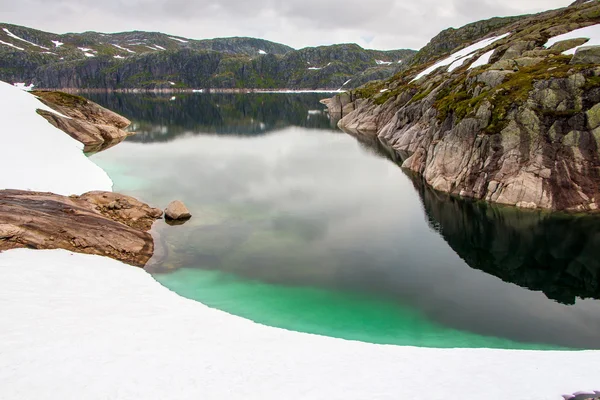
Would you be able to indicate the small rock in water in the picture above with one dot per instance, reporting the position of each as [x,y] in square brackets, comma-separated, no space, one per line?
[176,210]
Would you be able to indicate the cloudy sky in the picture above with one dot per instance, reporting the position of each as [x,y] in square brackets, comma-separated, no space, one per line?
[380,24]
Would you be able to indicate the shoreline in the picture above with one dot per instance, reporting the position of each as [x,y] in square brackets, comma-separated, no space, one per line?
[187,90]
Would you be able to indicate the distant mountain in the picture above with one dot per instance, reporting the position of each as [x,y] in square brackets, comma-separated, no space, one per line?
[157,60]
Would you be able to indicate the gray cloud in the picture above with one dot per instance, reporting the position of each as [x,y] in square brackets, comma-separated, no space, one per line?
[384,24]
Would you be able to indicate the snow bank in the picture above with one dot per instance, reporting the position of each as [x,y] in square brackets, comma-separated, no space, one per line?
[57,43]
[483,60]
[179,40]
[12,45]
[23,86]
[262,52]
[381,62]
[77,326]
[589,32]
[457,59]
[34,155]
[159,47]
[123,48]
[12,35]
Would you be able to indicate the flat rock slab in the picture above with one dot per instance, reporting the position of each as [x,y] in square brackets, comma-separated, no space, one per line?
[102,223]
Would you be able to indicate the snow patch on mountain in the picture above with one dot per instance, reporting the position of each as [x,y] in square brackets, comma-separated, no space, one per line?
[483,60]
[123,48]
[12,35]
[457,59]
[179,40]
[589,32]
[12,45]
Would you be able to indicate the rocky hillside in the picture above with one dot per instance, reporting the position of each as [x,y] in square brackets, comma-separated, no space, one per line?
[156,60]
[511,115]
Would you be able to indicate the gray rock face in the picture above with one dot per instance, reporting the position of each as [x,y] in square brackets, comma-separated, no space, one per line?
[544,156]
[176,210]
[587,55]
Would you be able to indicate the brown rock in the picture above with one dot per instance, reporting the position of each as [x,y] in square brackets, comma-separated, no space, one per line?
[176,210]
[83,224]
[89,123]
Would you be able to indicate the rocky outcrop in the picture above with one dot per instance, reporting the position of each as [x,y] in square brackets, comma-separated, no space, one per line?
[102,223]
[523,130]
[85,121]
[176,210]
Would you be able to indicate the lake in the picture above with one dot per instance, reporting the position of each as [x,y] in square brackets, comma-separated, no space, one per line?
[300,226]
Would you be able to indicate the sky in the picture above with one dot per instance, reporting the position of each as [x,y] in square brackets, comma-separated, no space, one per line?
[377,24]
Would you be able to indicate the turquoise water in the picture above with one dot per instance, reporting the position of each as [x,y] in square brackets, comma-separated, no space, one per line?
[299,226]
[325,312]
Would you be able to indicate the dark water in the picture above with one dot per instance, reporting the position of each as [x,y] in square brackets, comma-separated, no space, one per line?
[300,226]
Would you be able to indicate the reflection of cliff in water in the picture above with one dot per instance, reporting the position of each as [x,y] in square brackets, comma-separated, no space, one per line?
[554,253]
[160,117]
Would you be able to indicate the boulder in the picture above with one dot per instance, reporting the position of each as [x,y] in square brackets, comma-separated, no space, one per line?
[568,44]
[529,61]
[587,55]
[505,65]
[493,78]
[593,117]
[176,210]
[518,48]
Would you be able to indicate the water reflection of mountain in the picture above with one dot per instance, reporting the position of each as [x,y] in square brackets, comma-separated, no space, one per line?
[554,253]
[159,117]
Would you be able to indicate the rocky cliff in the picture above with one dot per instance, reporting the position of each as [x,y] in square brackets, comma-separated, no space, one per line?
[156,60]
[511,117]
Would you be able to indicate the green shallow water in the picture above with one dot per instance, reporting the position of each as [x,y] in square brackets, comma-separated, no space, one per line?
[326,312]
[299,226]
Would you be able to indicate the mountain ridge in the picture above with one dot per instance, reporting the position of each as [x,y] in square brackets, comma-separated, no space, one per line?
[152,60]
